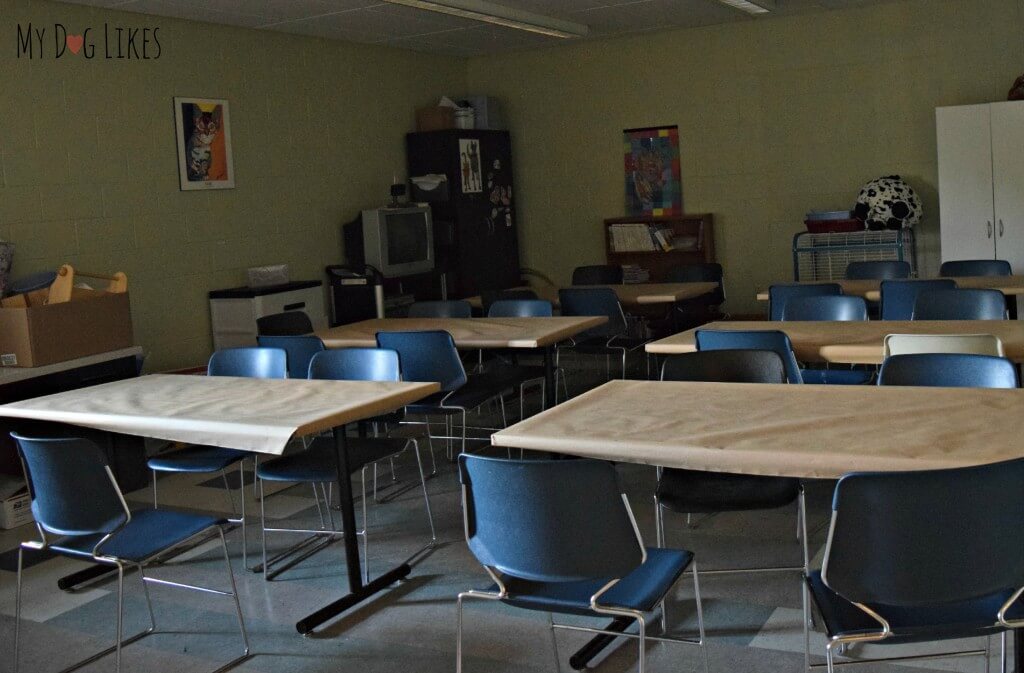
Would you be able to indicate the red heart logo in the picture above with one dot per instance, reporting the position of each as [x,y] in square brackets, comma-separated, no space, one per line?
[75,43]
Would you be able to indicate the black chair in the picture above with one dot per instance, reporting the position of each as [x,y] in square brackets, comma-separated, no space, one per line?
[455,308]
[695,492]
[878,270]
[921,556]
[289,323]
[559,536]
[975,267]
[81,513]
[608,339]
[705,272]
[598,274]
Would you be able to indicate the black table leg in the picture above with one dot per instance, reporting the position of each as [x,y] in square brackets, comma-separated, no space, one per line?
[549,377]
[583,656]
[358,592]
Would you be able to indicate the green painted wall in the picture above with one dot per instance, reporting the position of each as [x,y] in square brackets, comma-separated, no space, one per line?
[89,165]
[776,116]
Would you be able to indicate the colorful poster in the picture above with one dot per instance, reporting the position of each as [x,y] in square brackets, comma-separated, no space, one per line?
[653,182]
[469,165]
[204,144]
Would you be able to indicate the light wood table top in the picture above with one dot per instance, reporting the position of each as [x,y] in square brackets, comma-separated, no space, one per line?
[870,289]
[259,415]
[780,430]
[858,342]
[630,294]
[467,332]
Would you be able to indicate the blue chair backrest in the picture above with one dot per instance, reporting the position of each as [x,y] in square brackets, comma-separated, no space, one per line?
[426,356]
[520,308]
[878,270]
[71,487]
[300,350]
[975,267]
[289,323]
[960,304]
[548,520]
[356,364]
[840,307]
[455,308]
[898,296]
[488,297]
[927,537]
[767,340]
[778,295]
[254,363]
[952,370]
[597,274]
[725,366]
[583,301]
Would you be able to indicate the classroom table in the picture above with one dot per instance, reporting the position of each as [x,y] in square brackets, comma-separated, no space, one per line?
[778,430]
[474,333]
[631,295]
[856,342]
[260,415]
[870,289]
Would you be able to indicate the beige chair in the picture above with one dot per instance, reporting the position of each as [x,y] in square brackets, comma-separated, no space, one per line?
[976,344]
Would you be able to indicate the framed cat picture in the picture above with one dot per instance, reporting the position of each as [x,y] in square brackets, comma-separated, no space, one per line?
[204,143]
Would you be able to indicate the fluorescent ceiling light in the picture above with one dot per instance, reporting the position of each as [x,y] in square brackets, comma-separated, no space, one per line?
[751,6]
[499,15]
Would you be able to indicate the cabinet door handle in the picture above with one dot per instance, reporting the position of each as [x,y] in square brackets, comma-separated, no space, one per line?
[988,226]
[1000,228]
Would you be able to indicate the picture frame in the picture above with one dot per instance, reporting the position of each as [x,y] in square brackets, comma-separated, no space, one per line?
[203,127]
[652,171]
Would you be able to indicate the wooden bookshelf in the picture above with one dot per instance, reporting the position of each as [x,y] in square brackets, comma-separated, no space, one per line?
[693,238]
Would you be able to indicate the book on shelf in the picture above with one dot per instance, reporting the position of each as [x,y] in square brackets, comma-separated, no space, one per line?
[631,273]
[640,237]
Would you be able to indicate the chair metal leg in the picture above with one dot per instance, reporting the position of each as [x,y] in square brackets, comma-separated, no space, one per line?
[426,497]
[464,421]
[241,497]
[554,643]
[120,617]
[149,599]
[234,595]
[458,634]
[263,527]
[641,644]
[806,601]
[1002,652]
[366,534]
[700,616]
[155,506]
[17,606]
[319,509]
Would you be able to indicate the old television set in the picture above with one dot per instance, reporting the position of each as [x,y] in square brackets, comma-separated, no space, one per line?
[395,241]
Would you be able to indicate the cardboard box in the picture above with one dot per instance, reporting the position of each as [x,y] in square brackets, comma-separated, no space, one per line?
[33,333]
[16,510]
[435,118]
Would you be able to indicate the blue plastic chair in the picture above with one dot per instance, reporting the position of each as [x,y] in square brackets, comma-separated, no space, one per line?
[698,492]
[608,339]
[839,307]
[955,370]
[878,270]
[455,308]
[289,323]
[778,295]
[960,304]
[431,356]
[899,296]
[526,375]
[259,363]
[597,274]
[300,350]
[975,267]
[761,340]
[922,556]
[75,498]
[555,535]
[318,465]
[704,272]
[488,297]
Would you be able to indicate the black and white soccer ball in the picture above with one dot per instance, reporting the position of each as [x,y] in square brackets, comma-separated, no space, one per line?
[888,203]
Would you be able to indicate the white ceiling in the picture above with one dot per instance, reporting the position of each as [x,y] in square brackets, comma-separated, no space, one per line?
[376,22]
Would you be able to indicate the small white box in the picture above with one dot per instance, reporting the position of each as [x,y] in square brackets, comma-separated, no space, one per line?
[16,510]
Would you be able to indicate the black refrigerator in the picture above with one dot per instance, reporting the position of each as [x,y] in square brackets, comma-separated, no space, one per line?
[474,211]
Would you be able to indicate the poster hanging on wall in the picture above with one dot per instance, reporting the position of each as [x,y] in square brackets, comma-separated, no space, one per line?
[469,164]
[204,143]
[653,182]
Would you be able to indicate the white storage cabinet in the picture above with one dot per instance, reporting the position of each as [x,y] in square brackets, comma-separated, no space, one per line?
[233,312]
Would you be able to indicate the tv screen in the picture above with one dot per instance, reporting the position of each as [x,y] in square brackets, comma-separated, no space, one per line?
[407,239]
